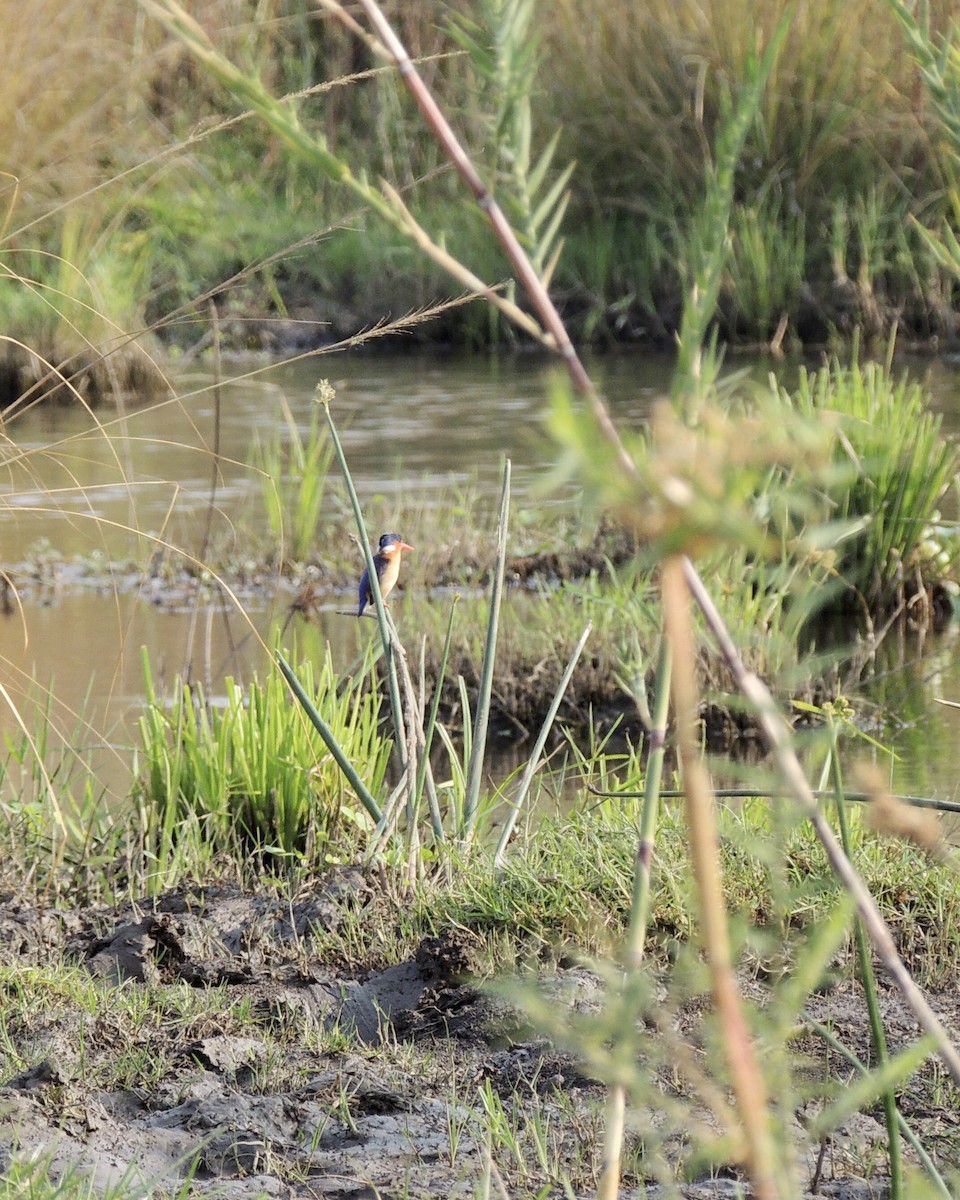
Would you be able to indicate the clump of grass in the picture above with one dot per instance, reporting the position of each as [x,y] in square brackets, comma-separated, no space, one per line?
[62,831]
[894,470]
[766,270]
[250,781]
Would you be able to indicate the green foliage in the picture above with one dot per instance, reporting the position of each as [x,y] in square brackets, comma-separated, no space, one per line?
[250,777]
[709,233]
[828,491]
[294,469]
[765,273]
[894,469]
[502,44]
[78,300]
[641,92]
[714,477]
[637,96]
[937,55]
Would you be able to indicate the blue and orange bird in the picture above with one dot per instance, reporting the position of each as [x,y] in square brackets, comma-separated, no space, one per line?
[387,563]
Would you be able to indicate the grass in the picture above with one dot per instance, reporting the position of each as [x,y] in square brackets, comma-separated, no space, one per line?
[902,470]
[294,469]
[248,780]
[767,603]
[639,96]
[520,923]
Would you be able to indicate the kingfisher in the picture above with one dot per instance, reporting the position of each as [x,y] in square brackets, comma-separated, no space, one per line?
[387,563]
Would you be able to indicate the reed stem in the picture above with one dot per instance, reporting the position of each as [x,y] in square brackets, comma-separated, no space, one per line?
[746,1078]
[776,734]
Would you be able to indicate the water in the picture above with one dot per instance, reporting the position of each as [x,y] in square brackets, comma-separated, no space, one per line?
[124,488]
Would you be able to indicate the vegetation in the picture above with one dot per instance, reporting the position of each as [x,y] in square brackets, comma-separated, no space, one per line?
[709,931]
[247,781]
[150,200]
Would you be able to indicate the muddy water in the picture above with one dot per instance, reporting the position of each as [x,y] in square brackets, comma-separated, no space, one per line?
[123,488]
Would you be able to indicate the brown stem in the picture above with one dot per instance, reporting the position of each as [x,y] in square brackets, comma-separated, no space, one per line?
[525,272]
[777,736]
[616,1109]
[747,1081]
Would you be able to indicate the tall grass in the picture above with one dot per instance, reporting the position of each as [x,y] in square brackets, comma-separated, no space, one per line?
[640,94]
[294,467]
[456,809]
[141,175]
[652,77]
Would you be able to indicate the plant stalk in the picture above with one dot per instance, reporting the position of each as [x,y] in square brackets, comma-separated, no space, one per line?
[868,980]
[746,1079]
[345,765]
[517,256]
[534,760]
[482,716]
[324,396]
[777,737]
[639,912]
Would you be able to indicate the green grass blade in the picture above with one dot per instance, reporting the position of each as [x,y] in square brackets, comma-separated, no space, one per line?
[916,1145]
[482,716]
[534,760]
[642,882]
[860,1096]
[363,793]
[432,723]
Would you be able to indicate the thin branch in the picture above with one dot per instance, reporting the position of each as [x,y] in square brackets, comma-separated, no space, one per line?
[776,734]
[519,260]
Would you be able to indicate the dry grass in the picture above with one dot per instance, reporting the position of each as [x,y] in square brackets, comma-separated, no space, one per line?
[647,79]
[68,99]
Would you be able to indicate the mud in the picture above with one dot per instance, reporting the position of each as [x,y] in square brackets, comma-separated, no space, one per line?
[337,1082]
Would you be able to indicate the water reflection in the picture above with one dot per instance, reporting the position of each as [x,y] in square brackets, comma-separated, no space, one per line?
[911,679]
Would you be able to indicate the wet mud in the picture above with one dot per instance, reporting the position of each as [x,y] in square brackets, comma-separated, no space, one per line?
[332,1081]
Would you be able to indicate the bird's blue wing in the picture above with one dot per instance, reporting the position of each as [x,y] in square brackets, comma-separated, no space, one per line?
[364,592]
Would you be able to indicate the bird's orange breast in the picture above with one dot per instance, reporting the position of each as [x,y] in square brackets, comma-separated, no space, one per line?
[388,576]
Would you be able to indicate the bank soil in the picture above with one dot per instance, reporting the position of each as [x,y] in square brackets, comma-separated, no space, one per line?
[257,1067]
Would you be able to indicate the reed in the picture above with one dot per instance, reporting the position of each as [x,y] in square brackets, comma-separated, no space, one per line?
[111,240]
[839,120]
[294,468]
[833,772]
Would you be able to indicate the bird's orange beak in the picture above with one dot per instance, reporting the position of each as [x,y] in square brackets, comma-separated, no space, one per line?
[404,546]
